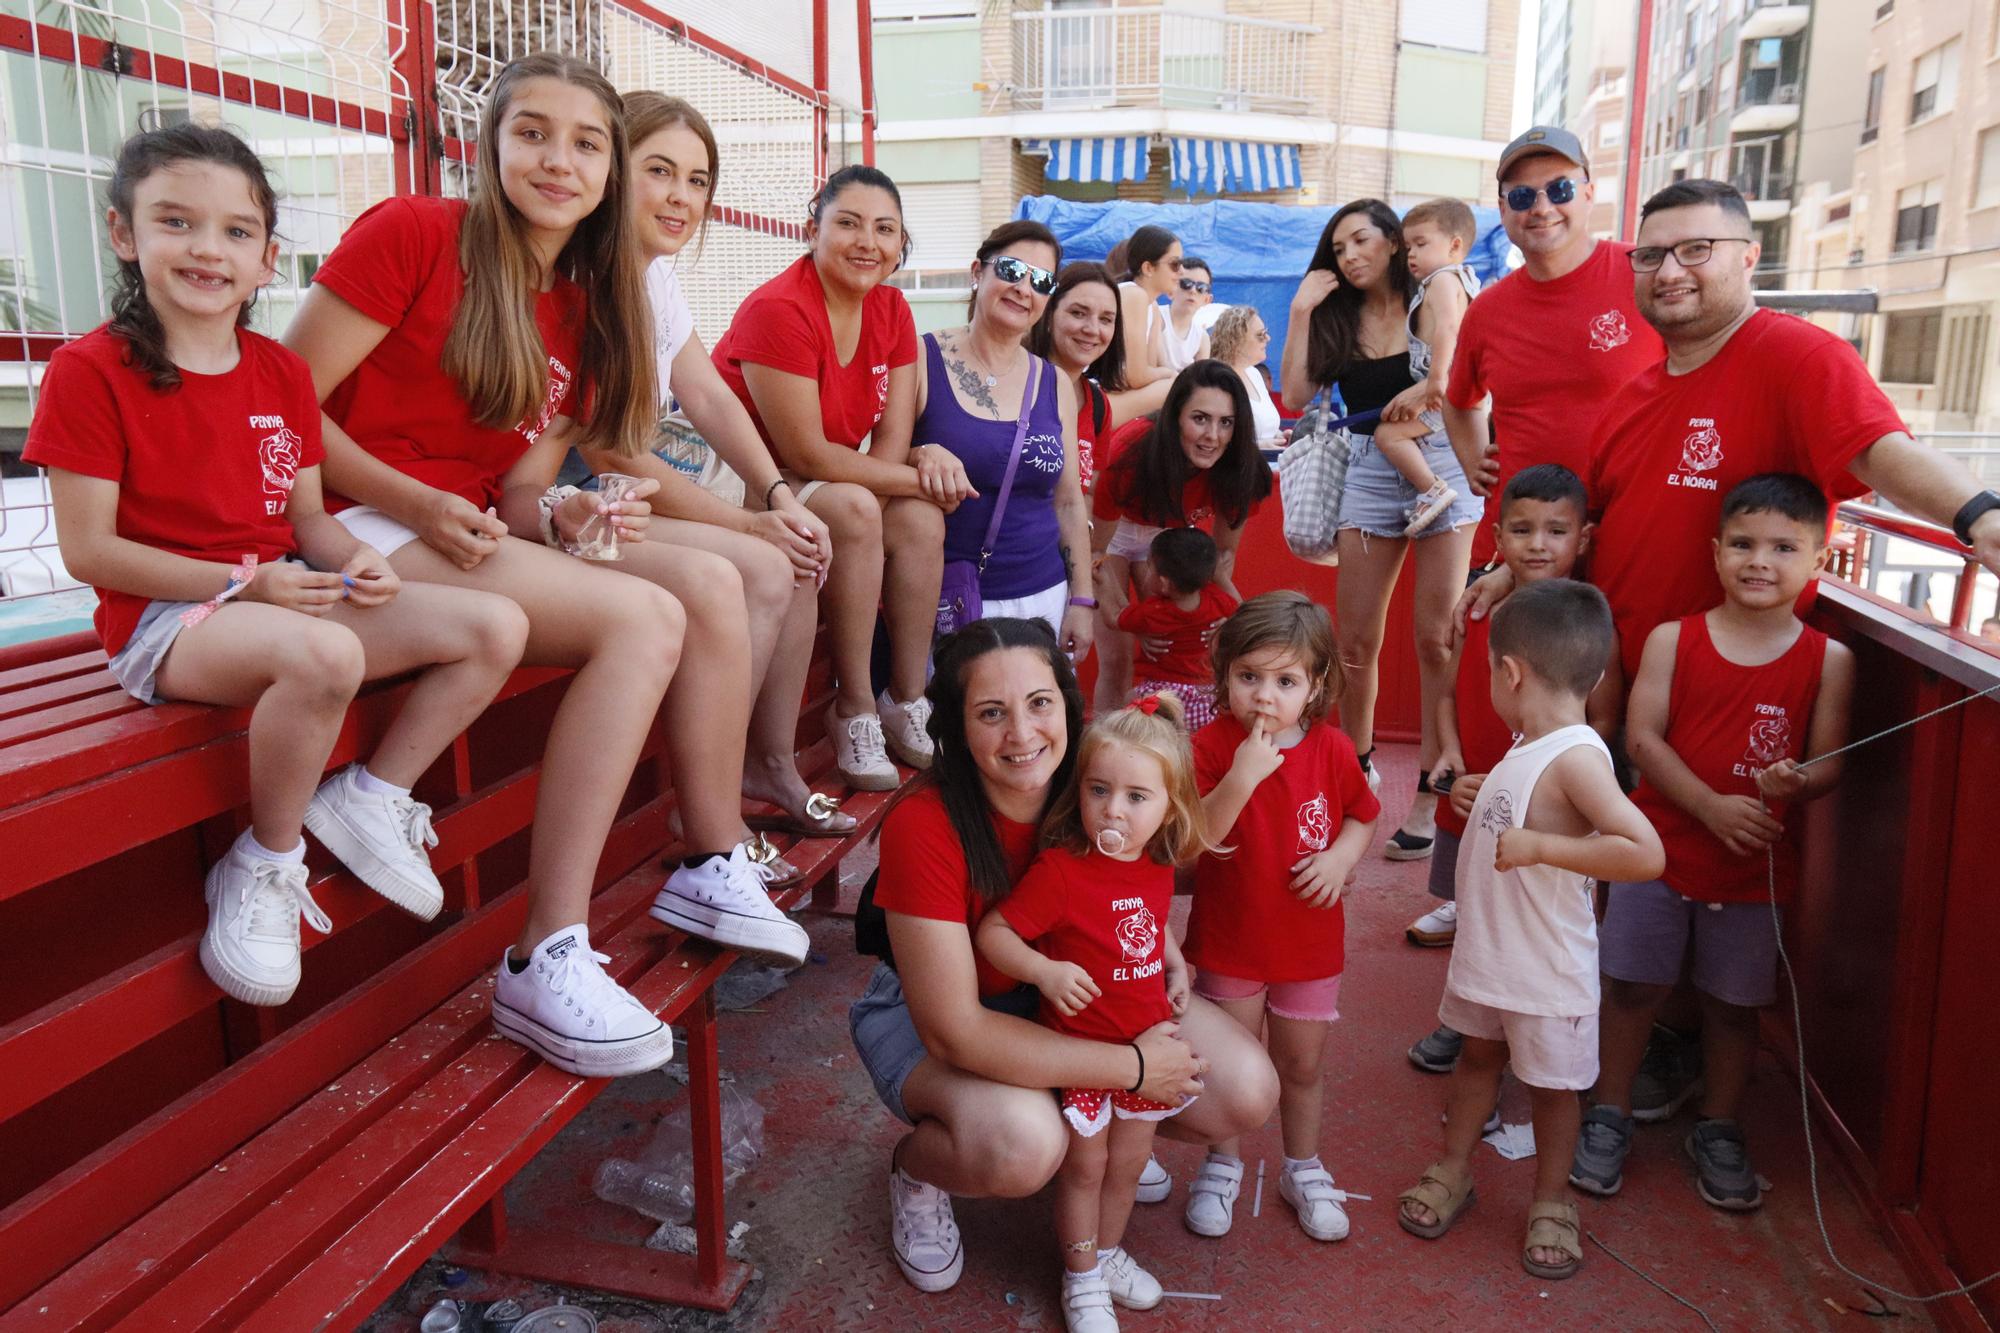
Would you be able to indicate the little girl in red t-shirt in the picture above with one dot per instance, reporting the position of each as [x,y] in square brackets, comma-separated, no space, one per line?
[1108,968]
[1285,791]
[1183,606]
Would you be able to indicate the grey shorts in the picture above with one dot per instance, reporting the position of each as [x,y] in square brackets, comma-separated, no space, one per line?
[1377,500]
[886,1038]
[137,666]
[1648,930]
[1444,863]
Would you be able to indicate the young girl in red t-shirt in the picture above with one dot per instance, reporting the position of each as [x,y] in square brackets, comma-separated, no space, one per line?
[1097,899]
[1182,608]
[1285,791]
[183,454]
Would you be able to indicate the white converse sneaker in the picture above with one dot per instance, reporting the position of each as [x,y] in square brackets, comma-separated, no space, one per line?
[1435,928]
[724,899]
[564,1007]
[858,754]
[1154,1183]
[381,838]
[904,727]
[1212,1196]
[251,946]
[1087,1304]
[1310,1192]
[923,1233]
[1131,1286]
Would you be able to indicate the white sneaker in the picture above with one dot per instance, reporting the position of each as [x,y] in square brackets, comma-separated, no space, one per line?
[251,946]
[1310,1192]
[1435,928]
[724,899]
[923,1233]
[566,1009]
[1154,1183]
[1087,1304]
[1131,1286]
[905,726]
[1212,1195]
[382,839]
[858,752]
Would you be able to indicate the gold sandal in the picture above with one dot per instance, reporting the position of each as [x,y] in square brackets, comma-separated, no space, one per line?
[1438,1192]
[821,818]
[1552,1226]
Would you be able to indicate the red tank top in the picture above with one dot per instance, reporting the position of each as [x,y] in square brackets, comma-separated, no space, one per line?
[1726,722]
[1483,739]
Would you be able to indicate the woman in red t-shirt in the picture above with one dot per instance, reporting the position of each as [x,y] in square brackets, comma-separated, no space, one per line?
[1197,465]
[948,1039]
[1081,333]
[824,356]
[446,415]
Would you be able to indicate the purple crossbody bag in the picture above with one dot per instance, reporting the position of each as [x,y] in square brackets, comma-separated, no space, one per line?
[959,602]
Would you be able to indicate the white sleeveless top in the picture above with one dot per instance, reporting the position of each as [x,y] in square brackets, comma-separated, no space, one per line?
[1527,938]
[1154,311]
[1420,351]
[1263,412]
[1181,350]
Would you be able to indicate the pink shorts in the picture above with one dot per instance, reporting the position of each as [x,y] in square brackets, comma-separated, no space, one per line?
[1312,1001]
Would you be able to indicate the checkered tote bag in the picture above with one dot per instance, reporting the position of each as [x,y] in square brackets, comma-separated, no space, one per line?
[1312,472]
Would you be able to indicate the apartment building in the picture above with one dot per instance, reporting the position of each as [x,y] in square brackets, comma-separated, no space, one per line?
[1281,101]
[1582,50]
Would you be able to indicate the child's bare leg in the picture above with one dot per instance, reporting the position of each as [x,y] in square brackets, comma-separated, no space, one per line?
[296,673]
[1625,1022]
[1557,1118]
[1080,1186]
[1728,1048]
[1398,442]
[1475,1082]
[1250,1013]
[1298,1050]
[1131,1144]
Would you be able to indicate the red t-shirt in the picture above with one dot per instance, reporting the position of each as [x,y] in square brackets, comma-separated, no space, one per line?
[1188,660]
[1109,917]
[784,325]
[1553,355]
[1113,498]
[1781,396]
[1483,739]
[1094,405]
[398,265]
[1247,922]
[1726,722]
[923,871]
[204,470]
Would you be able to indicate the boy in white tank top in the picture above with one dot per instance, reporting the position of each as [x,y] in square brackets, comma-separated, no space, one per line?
[1522,986]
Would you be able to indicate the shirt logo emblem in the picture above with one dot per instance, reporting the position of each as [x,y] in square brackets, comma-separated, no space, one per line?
[1315,825]
[1498,816]
[1770,738]
[1138,935]
[1701,452]
[1609,331]
[278,460]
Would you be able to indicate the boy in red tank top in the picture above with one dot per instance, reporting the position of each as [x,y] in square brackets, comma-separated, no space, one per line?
[1724,708]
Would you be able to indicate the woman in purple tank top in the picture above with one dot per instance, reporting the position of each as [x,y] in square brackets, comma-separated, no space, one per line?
[970,396]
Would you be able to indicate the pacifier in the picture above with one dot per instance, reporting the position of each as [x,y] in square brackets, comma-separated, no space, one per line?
[1110,841]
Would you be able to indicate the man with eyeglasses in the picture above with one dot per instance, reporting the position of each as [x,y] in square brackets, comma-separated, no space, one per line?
[1549,342]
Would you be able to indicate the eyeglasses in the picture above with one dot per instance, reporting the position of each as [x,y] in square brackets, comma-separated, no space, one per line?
[1009,269]
[1691,253]
[1190,285]
[1560,191]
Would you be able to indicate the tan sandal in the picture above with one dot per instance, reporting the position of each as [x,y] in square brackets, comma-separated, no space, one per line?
[1438,1192]
[1553,1226]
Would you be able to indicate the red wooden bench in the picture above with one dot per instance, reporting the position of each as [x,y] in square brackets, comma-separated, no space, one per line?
[169,1157]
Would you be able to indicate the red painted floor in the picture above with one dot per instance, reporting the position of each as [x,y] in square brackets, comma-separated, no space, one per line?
[817,1208]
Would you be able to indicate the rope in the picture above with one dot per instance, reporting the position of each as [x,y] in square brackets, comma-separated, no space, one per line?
[1653,1282]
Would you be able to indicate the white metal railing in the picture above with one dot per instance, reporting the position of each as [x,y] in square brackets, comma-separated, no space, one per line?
[1127,56]
[1888,543]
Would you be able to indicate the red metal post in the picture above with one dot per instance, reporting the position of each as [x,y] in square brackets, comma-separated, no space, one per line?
[820,96]
[1635,125]
[705,1138]
[418,169]
[865,45]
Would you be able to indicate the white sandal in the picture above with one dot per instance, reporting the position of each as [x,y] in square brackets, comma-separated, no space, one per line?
[1212,1196]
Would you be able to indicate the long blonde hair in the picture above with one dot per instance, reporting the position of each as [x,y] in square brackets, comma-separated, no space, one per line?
[495,351]
[1154,726]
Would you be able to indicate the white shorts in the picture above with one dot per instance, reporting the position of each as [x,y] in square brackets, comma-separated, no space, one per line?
[1047,606]
[369,524]
[1132,541]
[802,490]
[1546,1052]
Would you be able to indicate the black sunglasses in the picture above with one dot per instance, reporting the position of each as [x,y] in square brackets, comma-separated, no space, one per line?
[1522,197]
[1009,269]
[1190,285]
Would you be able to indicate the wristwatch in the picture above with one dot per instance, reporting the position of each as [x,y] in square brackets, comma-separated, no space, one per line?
[1971,512]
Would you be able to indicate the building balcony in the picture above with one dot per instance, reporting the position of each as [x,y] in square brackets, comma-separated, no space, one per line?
[1764,105]
[1768,193]
[1081,59]
[1774,18]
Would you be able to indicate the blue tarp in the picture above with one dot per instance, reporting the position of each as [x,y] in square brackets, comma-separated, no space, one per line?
[1259,251]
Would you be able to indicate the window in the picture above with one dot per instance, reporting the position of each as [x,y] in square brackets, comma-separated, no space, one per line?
[1934,88]
[1871,119]
[1986,183]
[1457,25]
[1910,346]
[1884,10]
[1609,133]
[1917,216]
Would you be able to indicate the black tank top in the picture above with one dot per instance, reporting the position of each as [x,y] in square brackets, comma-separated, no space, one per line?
[1369,383]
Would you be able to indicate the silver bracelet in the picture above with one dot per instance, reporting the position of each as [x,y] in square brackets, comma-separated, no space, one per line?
[546,503]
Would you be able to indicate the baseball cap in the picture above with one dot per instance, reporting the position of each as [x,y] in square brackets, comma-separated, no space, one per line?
[1543,139]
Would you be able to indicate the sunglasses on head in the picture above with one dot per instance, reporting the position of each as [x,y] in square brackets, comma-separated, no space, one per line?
[1009,269]
[1560,191]
[1190,285]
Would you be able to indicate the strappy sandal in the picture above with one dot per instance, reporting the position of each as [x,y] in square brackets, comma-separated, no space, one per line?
[1445,1198]
[821,818]
[1552,1226]
[772,867]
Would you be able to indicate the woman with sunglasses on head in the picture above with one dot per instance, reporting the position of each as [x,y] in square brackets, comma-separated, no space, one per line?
[1004,413]
[1184,339]
[824,357]
[1152,270]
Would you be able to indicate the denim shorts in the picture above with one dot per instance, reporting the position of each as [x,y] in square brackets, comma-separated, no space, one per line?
[1377,500]
[885,1037]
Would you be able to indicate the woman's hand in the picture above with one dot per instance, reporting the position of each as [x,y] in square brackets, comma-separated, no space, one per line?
[1079,628]
[295,587]
[367,578]
[1314,288]
[1477,602]
[628,517]
[800,544]
[1110,575]
[1446,768]
[941,476]
[1173,1070]
[456,529]
[1068,987]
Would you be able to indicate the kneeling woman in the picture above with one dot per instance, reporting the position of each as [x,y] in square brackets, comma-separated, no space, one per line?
[948,1040]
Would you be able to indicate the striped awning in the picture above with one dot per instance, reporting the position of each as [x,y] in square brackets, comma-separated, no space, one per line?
[1114,159]
[1216,166]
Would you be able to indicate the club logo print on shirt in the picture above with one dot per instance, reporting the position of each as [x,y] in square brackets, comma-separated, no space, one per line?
[881,390]
[1701,452]
[1499,816]
[1043,452]
[1770,740]
[278,460]
[1138,936]
[1608,331]
[559,377]
[1315,825]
